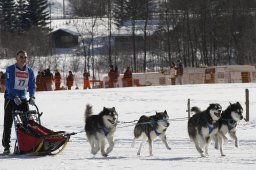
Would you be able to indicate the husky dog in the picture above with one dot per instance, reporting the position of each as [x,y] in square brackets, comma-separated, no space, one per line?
[202,126]
[227,123]
[149,127]
[100,127]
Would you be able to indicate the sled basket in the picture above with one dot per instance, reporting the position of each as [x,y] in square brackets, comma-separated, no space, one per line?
[35,139]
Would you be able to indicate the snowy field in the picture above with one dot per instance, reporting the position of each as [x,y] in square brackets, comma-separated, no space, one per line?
[64,110]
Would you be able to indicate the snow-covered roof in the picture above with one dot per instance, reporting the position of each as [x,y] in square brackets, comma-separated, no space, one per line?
[68,31]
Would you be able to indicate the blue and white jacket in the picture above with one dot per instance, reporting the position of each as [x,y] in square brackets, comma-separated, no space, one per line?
[18,82]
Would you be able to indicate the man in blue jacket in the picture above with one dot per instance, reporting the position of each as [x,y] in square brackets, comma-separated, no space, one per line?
[19,79]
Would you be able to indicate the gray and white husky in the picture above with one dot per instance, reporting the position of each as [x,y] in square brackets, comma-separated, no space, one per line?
[149,128]
[227,123]
[99,128]
[203,126]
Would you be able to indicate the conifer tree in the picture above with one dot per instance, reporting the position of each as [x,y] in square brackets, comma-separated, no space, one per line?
[38,13]
[8,16]
[22,23]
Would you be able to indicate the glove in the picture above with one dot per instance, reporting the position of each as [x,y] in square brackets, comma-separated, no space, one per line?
[17,101]
[32,101]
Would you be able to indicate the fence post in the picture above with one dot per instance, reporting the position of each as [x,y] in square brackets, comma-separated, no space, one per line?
[247,104]
[188,108]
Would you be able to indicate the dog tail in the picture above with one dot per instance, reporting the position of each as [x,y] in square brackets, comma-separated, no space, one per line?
[88,111]
[192,128]
[195,109]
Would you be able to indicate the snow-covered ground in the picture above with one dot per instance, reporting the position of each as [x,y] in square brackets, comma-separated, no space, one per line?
[64,110]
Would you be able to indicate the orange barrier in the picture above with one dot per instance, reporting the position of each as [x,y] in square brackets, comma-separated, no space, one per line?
[97,83]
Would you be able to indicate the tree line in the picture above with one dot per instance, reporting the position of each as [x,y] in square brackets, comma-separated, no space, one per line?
[23,25]
[199,32]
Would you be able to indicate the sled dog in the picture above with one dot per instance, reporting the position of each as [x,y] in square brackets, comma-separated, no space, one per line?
[203,126]
[149,127]
[227,123]
[100,127]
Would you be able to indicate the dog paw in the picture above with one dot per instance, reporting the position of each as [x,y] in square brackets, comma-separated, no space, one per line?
[223,155]
[93,152]
[104,154]
[109,150]
[236,144]
[169,148]
[203,155]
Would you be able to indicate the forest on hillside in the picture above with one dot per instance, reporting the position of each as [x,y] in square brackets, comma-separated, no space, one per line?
[199,32]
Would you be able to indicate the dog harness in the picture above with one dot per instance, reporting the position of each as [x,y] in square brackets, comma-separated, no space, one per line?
[105,131]
[230,124]
[153,124]
[211,128]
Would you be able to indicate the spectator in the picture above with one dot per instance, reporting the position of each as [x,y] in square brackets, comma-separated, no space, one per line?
[179,72]
[173,74]
[39,81]
[127,79]
[113,76]
[57,79]
[2,81]
[70,80]
[49,80]
[116,77]
[86,76]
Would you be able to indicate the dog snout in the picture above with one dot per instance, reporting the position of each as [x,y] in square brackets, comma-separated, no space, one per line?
[241,117]
[168,124]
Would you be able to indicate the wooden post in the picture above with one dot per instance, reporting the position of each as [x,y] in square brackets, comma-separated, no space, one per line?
[247,105]
[188,108]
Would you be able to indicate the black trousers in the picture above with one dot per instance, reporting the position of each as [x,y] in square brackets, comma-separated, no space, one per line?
[9,107]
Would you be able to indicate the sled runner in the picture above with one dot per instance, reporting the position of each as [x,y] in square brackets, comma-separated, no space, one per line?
[35,139]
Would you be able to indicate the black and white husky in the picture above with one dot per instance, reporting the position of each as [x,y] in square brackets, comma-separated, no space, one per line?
[99,128]
[227,123]
[149,128]
[203,126]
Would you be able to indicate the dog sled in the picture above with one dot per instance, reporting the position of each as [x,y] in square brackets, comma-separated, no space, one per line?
[35,139]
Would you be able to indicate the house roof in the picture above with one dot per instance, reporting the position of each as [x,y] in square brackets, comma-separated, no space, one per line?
[66,30]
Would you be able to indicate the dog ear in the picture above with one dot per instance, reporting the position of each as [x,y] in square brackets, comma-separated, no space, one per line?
[114,108]
[165,112]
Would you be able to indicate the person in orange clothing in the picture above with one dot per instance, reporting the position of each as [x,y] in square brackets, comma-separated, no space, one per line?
[127,79]
[86,76]
[39,83]
[57,79]
[49,80]
[179,72]
[113,76]
[70,80]
[2,81]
